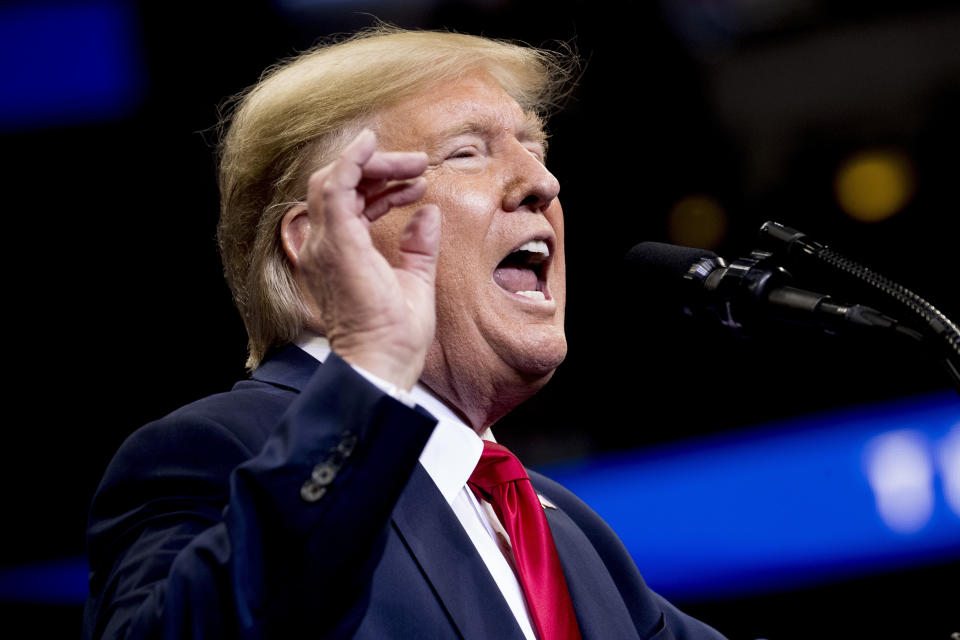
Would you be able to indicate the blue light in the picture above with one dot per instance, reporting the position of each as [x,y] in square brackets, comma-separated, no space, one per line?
[61,581]
[802,502]
[789,504]
[64,64]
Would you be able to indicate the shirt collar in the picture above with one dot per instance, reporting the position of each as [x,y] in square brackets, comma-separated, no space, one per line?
[453,450]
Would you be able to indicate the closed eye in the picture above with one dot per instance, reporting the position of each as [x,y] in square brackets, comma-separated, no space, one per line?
[537,151]
[465,152]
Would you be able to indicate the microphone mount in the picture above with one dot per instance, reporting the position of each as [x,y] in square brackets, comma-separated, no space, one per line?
[754,289]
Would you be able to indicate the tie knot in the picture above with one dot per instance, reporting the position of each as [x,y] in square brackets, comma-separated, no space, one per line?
[497,466]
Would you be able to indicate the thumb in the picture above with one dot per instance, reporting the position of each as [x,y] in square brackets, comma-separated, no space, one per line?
[420,243]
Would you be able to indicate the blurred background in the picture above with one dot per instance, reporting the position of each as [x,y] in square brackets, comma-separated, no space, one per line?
[787,485]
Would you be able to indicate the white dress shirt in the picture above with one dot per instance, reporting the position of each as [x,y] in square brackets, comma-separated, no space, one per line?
[449,457]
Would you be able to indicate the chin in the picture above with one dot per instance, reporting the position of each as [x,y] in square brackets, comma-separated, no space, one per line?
[541,361]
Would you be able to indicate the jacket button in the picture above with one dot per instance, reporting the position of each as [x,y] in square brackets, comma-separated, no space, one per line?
[345,448]
[323,474]
[311,491]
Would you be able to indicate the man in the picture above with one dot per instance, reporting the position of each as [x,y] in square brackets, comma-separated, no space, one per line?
[387,210]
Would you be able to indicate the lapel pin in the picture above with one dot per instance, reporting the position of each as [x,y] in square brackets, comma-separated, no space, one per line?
[546,504]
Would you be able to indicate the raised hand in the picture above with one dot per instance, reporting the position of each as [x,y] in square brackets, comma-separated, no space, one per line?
[377,316]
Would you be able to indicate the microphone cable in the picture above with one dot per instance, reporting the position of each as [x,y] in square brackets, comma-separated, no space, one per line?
[943,330]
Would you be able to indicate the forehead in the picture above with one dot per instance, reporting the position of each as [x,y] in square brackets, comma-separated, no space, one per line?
[475,104]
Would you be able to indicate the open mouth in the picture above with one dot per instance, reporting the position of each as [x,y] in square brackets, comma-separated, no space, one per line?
[524,270]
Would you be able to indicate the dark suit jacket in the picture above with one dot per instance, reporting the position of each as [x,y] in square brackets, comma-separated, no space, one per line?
[199,528]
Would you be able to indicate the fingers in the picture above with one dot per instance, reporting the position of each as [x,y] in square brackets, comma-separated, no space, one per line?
[395,165]
[365,182]
[339,183]
[420,243]
[377,315]
[396,194]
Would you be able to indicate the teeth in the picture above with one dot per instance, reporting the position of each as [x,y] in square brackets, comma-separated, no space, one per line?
[536,246]
[533,295]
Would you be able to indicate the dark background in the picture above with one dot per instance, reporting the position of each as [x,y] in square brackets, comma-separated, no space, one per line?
[117,312]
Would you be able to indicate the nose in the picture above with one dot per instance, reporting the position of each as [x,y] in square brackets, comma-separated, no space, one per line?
[529,184]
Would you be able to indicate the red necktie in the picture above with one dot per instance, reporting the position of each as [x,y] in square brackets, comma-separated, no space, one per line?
[502,480]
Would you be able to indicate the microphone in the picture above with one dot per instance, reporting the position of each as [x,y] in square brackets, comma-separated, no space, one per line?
[742,295]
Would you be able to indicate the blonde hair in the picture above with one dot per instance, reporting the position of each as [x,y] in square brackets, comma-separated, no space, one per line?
[303,111]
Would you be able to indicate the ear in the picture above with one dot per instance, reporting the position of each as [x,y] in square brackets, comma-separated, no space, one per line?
[294,229]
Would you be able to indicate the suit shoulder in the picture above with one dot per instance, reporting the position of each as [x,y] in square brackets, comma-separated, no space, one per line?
[213,434]
[640,598]
[246,413]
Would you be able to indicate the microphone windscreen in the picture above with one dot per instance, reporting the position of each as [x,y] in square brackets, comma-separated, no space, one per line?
[662,263]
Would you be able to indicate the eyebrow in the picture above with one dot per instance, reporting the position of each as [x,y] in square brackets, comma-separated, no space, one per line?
[531,130]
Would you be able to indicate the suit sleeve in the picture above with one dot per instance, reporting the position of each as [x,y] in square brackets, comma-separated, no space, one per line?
[193,535]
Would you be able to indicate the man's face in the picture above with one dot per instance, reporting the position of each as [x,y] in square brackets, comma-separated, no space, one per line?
[501,273]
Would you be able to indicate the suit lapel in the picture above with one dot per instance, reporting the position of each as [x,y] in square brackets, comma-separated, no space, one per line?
[601,612]
[450,562]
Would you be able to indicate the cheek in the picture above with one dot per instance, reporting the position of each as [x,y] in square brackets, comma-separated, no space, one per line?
[464,265]
[387,230]
[466,212]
